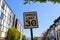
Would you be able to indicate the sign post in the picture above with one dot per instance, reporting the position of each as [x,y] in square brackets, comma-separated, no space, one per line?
[30,21]
[31,33]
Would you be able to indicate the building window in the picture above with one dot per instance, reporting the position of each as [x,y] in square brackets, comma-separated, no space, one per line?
[1,10]
[5,24]
[6,19]
[59,32]
[1,27]
[6,14]
[10,23]
[7,9]
[4,29]
[4,11]
[3,5]
[1,22]
[11,15]
[1,15]
[3,34]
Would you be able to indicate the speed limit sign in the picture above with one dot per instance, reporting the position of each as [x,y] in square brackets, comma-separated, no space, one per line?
[30,20]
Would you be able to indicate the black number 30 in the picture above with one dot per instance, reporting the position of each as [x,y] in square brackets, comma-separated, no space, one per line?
[31,23]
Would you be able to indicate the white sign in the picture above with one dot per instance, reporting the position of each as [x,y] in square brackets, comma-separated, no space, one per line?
[30,20]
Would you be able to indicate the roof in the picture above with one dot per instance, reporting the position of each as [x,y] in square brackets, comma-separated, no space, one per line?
[8,6]
[56,20]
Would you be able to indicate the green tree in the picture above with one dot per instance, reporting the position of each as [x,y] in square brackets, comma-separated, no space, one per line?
[41,1]
[24,37]
[13,34]
[0,32]
[35,38]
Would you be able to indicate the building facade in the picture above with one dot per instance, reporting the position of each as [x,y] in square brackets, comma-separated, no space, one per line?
[57,28]
[19,27]
[7,19]
[54,31]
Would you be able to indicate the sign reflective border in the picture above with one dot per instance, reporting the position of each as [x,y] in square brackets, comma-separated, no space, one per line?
[30,20]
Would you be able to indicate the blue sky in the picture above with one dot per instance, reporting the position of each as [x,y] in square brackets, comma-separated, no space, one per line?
[47,13]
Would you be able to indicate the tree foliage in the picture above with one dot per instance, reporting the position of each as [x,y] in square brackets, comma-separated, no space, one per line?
[0,32]
[24,37]
[35,38]
[13,34]
[41,1]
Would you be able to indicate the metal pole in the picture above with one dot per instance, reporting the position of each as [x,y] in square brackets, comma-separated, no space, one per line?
[31,34]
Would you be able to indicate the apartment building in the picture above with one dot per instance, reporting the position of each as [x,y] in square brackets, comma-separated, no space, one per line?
[19,27]
[57,28]
[7,19]
[53,33]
